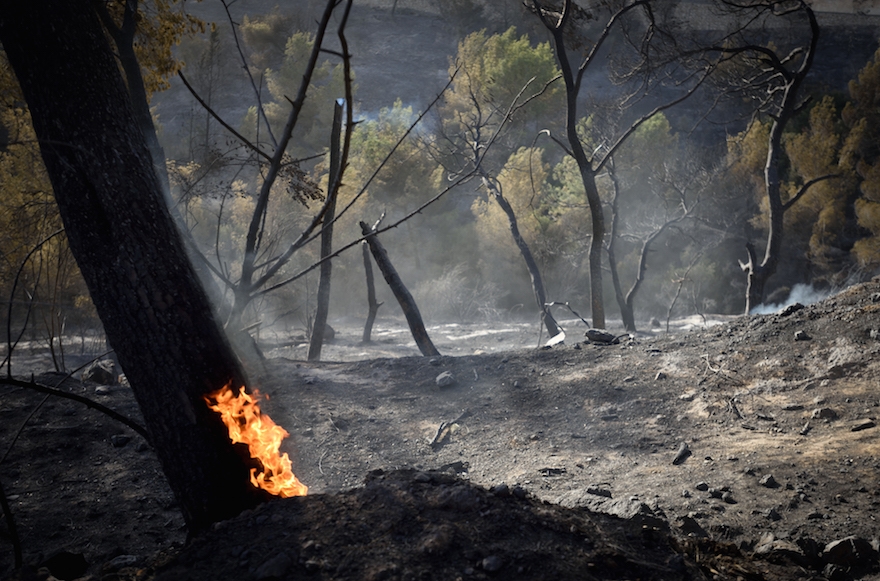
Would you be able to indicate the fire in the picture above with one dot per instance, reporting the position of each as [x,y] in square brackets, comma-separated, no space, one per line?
[247,425]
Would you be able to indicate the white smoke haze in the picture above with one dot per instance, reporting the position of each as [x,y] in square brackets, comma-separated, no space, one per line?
[804,294]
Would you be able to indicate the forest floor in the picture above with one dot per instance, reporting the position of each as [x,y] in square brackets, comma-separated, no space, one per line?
[741,450]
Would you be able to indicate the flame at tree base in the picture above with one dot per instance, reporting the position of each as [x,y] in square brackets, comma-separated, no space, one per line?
[247,425]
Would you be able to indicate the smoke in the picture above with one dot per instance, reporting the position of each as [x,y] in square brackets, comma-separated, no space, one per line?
[801,293]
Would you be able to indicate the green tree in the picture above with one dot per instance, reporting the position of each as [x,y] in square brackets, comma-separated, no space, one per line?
[861,155]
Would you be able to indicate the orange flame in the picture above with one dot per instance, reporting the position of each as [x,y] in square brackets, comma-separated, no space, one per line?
[247,425]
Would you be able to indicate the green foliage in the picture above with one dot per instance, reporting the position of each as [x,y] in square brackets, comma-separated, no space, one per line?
[861,154]
[327,85]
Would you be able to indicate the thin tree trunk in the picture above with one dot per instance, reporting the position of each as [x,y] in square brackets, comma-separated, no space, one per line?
[403,296]
[156,315]
[323,307]
[372,304]
[532,266]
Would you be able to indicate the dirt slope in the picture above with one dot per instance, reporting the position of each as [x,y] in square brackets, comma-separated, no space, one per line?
[495,475]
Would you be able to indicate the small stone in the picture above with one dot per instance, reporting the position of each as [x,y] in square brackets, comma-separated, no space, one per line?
[728,497]
[768,481]
[792,407]
[805,429]
[824,414]
[120,562]
[103,372]
[119,440]
[683,453]
[142,446]
[600,337]
[702,486]
[445,379]
[863,425]
[791,309]
[102,390]
[492,564]
[598,491]
[688,396]
[772,514]
[660,376]
[801,336]
[500,490]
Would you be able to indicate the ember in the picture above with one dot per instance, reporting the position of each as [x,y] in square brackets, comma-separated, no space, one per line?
[247,425]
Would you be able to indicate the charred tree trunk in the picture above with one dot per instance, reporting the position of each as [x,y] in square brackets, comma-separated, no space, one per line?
[625,306]
[372,304]
[156,315]
[407,303]
[758,273]
[532,266]
[323,307]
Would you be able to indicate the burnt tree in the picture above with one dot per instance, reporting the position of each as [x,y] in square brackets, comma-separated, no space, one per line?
[323,306]
[401,293]
[156,314]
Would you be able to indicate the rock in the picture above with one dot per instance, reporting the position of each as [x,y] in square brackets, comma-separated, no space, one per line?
[103,372]
[702,486]
[768,481]
[791,309]
[772,514]
[801,336]
[683,453]
[102,390]
[728,497]
[601,337]
[119,440]
[824,414]
[850,552]
[655,323]
[630,509]
[329,333]
[863,425]
[778,549]
[689,526]
[599,491]
[120,562]
[492,564]
[445,379]
[660,376]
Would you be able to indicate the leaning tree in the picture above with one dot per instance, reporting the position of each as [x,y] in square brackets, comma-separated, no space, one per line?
[155,313]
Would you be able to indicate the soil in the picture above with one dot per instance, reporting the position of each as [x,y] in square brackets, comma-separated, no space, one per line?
[740,450]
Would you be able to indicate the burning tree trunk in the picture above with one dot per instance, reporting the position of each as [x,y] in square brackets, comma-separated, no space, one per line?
[372,304]
[156,315]
[323,307]
[407,303]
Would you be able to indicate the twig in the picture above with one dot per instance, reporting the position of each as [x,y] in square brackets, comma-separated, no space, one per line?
[78,398]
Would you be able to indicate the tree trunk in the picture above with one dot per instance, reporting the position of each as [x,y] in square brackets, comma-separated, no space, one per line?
[372,304]
[323,307]
[758,274]
[407,303]
[532,266]
[156,315]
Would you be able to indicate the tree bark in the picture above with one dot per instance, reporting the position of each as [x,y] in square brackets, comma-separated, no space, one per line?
[372,304]
[323,306]
[156,314]
[407,303]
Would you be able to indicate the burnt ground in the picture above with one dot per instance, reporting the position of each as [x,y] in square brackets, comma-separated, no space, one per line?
[557,463]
